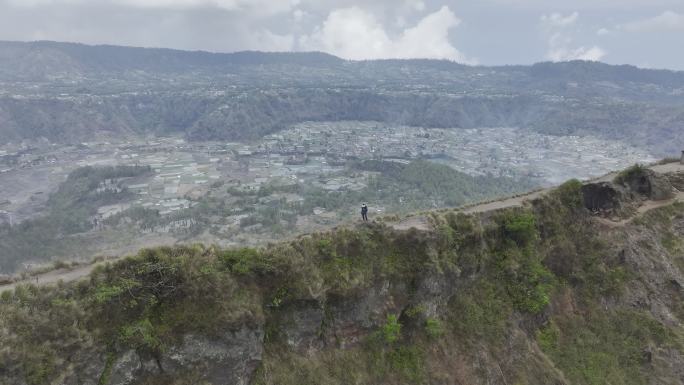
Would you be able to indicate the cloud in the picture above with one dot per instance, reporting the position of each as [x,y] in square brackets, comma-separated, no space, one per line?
[580,53]
[354,33]
[267,7]
[560,44]
[604,32]
[666,21]
[558,20]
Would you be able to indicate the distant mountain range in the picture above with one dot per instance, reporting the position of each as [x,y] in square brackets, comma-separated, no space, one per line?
[72,92]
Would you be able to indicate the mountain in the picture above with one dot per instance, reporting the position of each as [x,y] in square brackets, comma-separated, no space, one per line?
[71,93]
[580,285]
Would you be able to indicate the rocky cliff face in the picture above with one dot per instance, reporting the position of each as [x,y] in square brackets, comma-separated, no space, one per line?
[543,294]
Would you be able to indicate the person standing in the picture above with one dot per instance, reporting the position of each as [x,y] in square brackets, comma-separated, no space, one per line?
[364,212]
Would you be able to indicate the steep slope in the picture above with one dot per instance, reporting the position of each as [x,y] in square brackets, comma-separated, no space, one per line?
[546,293]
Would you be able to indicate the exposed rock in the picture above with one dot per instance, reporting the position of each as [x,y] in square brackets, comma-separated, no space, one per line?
[228,360]
[353,318]
[302,326]
[125,369]
[676,180]
[648,184]
[603,196]
[86,369]
[668,366]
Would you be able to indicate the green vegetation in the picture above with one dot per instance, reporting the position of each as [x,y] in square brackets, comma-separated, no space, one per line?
[71,210]
[391,331]
[424,184]
[175,95]
[630,173]
[604,347]
[388,306]
[434,328]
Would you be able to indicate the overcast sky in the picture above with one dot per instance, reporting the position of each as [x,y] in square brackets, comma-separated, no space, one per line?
[646,33]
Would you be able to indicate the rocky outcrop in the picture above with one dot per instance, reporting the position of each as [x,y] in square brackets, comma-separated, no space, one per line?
[229,359]
[126,369]
[85,367]
[627,192]
[676,180]
[648,184]
[602,197]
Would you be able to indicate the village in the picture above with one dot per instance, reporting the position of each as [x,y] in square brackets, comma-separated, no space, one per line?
[316,155]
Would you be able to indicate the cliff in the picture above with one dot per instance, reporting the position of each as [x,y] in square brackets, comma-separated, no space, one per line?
[582,285]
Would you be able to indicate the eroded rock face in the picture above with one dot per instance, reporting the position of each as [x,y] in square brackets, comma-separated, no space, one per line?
[649,184]
[302,326]
[126,369]
[677,180]
[352,318]
[86,368]
[228,360]
[602,196]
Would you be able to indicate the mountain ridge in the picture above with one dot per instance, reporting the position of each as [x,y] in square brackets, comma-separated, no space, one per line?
[65,92]
[539,294]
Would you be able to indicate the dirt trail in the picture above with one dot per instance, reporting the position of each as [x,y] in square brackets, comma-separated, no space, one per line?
[54,276]
[644,208]
[419,222]
[422,223]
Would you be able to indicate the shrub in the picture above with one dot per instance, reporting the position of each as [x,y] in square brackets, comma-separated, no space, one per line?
[408,363]
[391,331]
[243,261]
[434,328]
[519,227]
[140,335]
[630,173]
[570,194]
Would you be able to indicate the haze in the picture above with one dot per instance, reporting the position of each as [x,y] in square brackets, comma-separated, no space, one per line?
[490,32]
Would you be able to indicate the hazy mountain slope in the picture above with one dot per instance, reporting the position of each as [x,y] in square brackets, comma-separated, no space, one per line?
[543,294]
[68,91]
[67,229]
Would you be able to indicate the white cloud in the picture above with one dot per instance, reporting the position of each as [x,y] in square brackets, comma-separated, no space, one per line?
[604,32]
[580,53]
[666,21]
[269,41]
[558,20]
[561,47]
[416,5]
[354,33]
[299,15]
[263,6]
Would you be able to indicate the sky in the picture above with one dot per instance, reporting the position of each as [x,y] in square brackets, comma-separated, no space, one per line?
[646,33]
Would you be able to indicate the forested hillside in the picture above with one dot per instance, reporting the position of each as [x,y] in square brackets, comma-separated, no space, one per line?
[71,92]
[548,293]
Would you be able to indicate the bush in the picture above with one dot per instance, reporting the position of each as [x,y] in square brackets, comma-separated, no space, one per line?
[519,227]
[434,328]
[243,261]
[391,331]
[570,194]
[629,174]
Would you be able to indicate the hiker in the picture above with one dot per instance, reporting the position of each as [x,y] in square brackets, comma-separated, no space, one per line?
[364,212]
